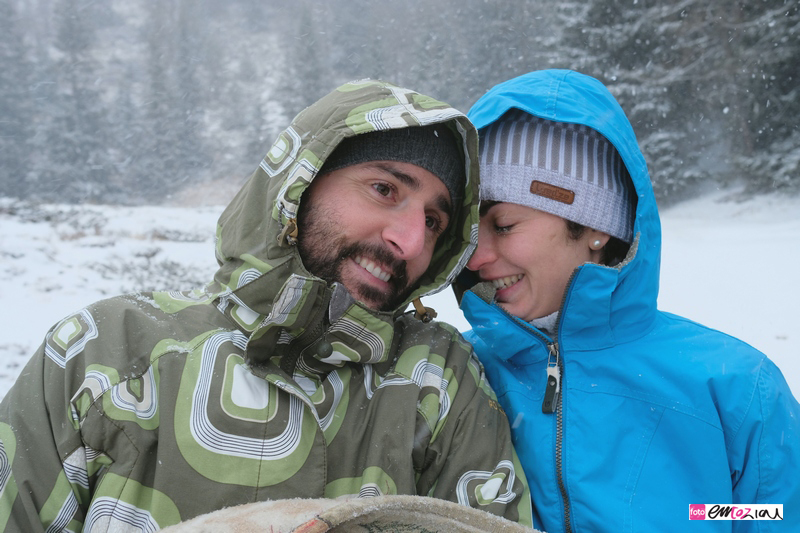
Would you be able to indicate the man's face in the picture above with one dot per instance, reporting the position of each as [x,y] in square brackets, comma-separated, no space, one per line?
[373,227]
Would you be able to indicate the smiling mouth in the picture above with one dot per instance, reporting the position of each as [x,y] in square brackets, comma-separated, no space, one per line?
[372,268]
[505,282]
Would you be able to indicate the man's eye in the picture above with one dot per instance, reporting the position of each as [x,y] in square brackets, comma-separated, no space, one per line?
[433,223]
[502,229]
[383,189]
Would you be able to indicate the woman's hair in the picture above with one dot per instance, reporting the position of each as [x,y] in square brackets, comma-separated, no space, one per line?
[613,252]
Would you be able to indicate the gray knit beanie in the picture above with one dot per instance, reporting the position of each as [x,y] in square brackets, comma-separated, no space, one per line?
[431,147]
[568,170]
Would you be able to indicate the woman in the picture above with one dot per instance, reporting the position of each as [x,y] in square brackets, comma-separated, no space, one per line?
[623,415]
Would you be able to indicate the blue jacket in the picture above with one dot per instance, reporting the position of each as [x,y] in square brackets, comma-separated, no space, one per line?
[654,412]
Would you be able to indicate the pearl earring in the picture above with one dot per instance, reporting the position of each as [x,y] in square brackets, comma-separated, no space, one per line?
[596,244]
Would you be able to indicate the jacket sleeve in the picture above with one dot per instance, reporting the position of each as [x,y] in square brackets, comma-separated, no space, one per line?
[765,452]
[470,458]
[43,477]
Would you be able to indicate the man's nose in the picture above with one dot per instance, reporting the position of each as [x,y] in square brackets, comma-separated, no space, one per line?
[405,232]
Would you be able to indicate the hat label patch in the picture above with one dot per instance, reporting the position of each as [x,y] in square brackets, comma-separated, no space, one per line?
[559,194]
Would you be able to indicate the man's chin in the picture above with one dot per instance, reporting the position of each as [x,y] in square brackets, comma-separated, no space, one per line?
[375,299]
[380,304]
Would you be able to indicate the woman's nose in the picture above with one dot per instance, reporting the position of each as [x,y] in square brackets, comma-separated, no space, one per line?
[484,253]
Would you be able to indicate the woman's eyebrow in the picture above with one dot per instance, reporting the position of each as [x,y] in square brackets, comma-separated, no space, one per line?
[485,206]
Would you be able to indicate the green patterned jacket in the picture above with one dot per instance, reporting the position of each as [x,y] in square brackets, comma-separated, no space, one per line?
[144,410]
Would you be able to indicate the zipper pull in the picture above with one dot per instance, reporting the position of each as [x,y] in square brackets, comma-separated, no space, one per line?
[550,403]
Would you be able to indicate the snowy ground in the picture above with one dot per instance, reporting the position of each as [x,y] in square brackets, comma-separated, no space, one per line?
[728,265]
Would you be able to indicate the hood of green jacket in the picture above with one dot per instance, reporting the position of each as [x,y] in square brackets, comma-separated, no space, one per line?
[262,283]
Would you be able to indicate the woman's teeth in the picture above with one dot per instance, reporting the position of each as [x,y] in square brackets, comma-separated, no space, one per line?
[502,283]
[373,269]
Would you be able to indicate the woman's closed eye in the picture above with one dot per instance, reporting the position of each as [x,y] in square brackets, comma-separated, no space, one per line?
[501,229]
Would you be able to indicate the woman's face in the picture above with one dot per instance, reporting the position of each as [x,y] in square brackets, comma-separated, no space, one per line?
[529,256]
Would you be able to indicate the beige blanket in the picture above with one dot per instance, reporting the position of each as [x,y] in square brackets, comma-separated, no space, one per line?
[406,514]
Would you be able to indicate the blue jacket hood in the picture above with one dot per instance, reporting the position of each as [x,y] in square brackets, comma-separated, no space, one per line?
[601,302]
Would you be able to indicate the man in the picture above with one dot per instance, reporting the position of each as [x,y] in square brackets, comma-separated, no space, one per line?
[295,373]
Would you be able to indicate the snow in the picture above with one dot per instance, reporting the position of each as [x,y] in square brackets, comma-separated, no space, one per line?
[725,264]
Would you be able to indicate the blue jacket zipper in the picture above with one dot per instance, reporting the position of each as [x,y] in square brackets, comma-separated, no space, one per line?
[552,402]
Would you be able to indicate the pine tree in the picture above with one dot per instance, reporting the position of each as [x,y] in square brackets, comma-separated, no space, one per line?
[764,94]
[16,113]
[468,46]
[639,50]
[190,93]
[172,154]
[76,166]
[301,60]
[692,76]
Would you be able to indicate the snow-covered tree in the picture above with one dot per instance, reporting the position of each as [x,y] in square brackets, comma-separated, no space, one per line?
[764,98]
[697,78]
[131,100]
[16,112]
[75,165]
[171,152]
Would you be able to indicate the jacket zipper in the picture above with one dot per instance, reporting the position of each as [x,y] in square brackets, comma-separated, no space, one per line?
[552,402]
[559,452]
[555,373]
[552,389]
[555,378]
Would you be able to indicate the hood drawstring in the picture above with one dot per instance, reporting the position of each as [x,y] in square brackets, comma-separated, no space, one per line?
[288,235]
[425,314]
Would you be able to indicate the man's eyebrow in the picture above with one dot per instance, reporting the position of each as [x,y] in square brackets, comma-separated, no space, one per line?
[413,183]
[409,181]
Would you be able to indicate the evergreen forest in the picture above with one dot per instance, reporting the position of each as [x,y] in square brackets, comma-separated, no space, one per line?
[134,101]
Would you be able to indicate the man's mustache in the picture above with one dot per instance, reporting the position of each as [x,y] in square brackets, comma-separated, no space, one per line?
[388,262]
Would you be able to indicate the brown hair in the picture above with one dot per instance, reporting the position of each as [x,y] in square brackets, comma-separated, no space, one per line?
[613,252]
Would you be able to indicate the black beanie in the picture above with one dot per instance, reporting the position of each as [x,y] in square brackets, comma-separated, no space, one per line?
[431,147]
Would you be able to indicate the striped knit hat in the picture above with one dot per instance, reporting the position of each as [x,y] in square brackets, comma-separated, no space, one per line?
[568,170]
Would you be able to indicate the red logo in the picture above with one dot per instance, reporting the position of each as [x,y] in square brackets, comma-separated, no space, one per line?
[697,511]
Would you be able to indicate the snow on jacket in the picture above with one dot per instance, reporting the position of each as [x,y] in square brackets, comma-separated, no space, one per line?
[655,412]
[149,409]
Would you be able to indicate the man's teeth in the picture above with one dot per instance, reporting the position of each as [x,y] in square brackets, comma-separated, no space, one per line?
[502,283]
[373,269]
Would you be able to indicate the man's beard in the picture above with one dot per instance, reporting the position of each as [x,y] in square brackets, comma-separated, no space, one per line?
[324,252]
